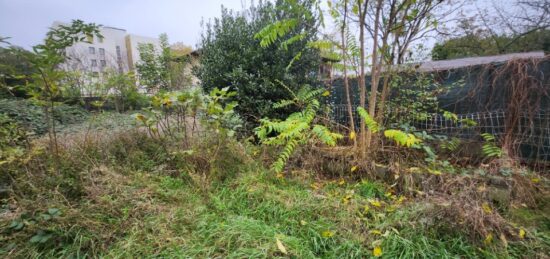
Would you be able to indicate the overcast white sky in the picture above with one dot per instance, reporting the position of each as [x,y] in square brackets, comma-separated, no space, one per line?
[27,21]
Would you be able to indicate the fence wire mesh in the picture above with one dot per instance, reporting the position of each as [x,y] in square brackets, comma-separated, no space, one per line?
[531,137]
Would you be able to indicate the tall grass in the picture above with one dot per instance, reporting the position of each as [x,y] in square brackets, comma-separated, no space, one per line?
[124,195]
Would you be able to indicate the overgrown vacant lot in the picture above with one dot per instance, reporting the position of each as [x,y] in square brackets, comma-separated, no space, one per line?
[278,138]
[124,194]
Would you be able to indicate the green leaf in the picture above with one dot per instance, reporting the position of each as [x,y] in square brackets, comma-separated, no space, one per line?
[369,121]
[54,211]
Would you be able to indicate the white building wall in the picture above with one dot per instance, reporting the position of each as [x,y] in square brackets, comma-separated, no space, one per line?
[120,48]
[116,51]
[132,45]
[107,53]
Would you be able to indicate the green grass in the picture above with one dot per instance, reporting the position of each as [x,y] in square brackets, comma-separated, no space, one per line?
[146,215]
[131,198]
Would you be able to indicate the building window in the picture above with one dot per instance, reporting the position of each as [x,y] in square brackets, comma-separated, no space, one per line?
[102,52]
[103,63]
[118,55]
[100,39]
[91,50]
[94,63]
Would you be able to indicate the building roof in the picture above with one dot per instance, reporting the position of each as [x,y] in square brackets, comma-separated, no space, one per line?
[114,28]
[430,66]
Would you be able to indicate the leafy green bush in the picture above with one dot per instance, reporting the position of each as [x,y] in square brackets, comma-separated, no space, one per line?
[297,129]
[31,116]
[13,138]
[231,56]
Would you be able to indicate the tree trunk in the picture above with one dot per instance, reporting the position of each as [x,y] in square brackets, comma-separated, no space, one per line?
[362,87]
[375,71]
[346,82]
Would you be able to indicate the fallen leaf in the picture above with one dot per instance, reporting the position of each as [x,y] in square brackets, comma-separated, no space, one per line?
[315,186]
[281,246]
[488,239]
[327,234]
[487,208]
[326,93]
[391,209]
[353,168]
[352,135]
[434,172]
[376,232]
[522,233]
[377,251]
[366,209]
[375,203]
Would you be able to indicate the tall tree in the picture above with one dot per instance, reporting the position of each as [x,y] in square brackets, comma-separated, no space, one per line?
[154,66]
[497,29]
[339,11]
[394,26]
[362,12]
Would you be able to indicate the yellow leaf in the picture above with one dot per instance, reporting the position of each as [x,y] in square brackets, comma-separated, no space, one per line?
[352,135]
[522,233]
[376,232]
[353,168]
[315,186]
[341,182]
[377,251]
[327,234]
[487,208]
[375,203]
[535,180]
[366,209]
[281,246]
[435,172]
[140,117]
[488,239]
[347,198]
[326,93]
[279,175]
[401,199]
[303,222]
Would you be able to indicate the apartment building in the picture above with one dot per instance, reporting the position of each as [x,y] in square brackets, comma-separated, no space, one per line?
[117,51]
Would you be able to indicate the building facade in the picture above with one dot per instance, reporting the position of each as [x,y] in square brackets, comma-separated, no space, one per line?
[117,51]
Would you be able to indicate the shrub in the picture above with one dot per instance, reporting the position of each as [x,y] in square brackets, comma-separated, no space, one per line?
[31,116]
[232,57]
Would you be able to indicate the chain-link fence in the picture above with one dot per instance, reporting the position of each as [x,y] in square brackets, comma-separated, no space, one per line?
[531,137]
